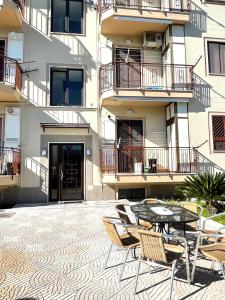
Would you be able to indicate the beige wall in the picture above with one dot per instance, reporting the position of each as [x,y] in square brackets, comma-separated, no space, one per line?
[207,23]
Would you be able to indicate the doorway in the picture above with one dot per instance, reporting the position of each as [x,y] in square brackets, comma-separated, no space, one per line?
[66,172]
[128,67]
[130,146]
[2,53]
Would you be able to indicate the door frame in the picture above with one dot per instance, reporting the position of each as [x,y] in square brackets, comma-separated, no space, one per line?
[84,167]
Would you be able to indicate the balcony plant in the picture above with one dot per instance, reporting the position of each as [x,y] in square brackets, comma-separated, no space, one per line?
[207,187]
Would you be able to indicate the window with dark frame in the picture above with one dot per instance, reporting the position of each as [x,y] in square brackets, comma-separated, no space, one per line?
[218,126]
[67,16]
[66,87]
[216,57]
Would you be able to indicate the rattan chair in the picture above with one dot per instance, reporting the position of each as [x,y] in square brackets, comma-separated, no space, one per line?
[126,218]
[151,201]
[192,226]
[214,252]
[125,241]
[154,248]
[205,229]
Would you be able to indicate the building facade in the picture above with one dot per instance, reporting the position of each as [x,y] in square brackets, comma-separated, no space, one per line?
[109,100]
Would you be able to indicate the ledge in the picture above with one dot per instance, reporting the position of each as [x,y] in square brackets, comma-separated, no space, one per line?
[65,125]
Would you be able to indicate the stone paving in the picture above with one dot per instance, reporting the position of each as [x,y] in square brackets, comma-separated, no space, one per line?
[58,252]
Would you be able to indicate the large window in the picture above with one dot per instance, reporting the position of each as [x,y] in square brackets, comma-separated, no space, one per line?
[218,125]
[66,87]
[67,16]
[216,57]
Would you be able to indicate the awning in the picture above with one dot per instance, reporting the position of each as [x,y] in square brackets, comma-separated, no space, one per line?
[65,125]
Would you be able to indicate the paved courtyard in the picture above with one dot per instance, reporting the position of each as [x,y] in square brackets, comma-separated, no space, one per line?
[58,251]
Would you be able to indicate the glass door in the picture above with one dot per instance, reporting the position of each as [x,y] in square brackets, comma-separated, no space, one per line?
[66,172]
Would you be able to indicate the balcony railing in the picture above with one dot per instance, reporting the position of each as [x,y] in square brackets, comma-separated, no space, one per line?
[146,76]
[162,5]
[147,160]
[10,72]
[9,161]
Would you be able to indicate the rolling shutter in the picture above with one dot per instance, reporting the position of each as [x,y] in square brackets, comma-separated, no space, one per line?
[218,124]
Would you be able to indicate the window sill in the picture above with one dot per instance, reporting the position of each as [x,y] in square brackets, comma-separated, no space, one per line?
[218,151]
[215,74]
[67,33]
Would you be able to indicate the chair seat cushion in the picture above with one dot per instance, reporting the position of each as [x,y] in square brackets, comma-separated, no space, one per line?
[214,251]
[129,240]
[173,252]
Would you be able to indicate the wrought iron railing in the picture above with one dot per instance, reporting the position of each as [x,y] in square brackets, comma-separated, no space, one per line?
[10,72]
[147,160]
[9,161]
[170,5]
[146,76]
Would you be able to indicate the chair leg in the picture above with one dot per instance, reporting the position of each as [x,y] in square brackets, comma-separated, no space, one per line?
[187,267]
[137,274]
[222,268]
[124,263]
[172,277]
[110,249]
[195,261]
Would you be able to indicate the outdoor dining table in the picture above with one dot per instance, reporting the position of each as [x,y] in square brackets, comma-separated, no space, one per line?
[164,215]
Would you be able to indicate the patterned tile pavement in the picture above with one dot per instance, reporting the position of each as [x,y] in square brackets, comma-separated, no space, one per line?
[58,251]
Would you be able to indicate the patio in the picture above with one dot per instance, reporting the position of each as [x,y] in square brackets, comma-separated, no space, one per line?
[58,252]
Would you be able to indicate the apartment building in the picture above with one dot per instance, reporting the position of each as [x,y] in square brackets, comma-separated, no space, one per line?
[108,100]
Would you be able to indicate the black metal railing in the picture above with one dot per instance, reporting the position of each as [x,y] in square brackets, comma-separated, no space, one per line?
[148,160]
[146,76]
[9,161]
[10,71]
[161,5]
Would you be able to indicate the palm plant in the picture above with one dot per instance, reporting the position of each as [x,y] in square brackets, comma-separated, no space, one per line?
[205,186]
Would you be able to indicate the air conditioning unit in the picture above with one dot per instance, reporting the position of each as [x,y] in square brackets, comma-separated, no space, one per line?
[12,110]
[152,40]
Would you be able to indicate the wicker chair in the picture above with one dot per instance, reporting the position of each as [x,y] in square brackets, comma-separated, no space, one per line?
[151,201]
[214,252]
[154,248]
[192,226]
[204,228]
[125,217]
[123,241]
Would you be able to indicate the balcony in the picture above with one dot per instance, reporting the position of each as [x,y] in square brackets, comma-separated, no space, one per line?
[140,165]
[9,167]
[145,83]
[11,13]
[10,80]
[123,17]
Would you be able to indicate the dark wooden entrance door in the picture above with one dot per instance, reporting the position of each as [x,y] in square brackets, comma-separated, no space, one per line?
[66,169]
[128,67]
[2,53]
[130,146]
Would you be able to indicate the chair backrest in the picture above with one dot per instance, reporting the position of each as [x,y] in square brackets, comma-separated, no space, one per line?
[112,231]
[124,217]
[149,201]
[152,245]
[190,206]
[193,207]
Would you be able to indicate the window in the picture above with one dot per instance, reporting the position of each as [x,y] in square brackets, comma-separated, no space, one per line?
[216,57]
[218,125]
[66,87]
[67,16]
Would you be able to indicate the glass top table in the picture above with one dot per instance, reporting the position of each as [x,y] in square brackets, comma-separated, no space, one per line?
[162,214]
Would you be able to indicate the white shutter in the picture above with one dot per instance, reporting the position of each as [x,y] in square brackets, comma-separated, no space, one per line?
[109,129]
[1,3]
[106,53]
[12,127]
[15,45]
